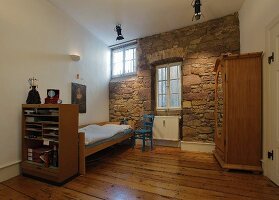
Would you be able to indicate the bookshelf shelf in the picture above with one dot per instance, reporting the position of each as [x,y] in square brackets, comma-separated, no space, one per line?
[40,115]
[50,141]
[41,165]
[33,124]
[48,122]
[28,138]
[41,139]
[33,129]
[51,128]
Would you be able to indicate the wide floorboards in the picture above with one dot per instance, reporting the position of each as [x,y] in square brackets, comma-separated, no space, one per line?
[164,173]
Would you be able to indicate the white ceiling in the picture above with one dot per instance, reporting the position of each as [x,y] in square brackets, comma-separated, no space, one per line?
[140,18]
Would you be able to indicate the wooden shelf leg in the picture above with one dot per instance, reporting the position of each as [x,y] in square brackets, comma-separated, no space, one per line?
[82,167]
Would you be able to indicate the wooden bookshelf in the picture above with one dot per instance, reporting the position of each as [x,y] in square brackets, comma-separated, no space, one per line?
[45,127]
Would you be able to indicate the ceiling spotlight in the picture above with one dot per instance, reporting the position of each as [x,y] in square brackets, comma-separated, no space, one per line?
[118,29]
[197,6]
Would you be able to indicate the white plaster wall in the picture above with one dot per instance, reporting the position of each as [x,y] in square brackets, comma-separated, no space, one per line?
[36,39]
[254,16]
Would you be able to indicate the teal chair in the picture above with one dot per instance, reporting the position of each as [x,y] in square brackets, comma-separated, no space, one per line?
[146,132]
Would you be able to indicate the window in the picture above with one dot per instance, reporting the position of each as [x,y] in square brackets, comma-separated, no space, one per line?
[168,87]
[123,61]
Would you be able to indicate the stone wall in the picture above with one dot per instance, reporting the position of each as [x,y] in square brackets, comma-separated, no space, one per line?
[197,47]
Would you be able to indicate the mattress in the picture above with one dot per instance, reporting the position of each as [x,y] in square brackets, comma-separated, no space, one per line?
[96,133]
[115,137]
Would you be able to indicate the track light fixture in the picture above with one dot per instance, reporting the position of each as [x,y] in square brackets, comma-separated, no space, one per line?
[197,6]
[118,29]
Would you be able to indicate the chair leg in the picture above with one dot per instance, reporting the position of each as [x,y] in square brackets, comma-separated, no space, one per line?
[143,143]
[151,142]
[133,141]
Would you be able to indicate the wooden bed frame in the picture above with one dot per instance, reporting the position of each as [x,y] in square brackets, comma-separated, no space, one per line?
[87,151]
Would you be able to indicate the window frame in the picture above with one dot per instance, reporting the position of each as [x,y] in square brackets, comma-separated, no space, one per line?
[123,49]
[168,94]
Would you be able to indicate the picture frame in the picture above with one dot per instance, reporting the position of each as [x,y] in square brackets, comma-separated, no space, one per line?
[79,96]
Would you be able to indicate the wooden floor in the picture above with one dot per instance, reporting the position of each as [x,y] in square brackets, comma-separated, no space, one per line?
[164,173]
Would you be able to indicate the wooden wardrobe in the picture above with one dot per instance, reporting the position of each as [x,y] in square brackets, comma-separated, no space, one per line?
[238,111]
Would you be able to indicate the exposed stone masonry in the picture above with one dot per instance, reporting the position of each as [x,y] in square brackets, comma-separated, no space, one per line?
[197,47]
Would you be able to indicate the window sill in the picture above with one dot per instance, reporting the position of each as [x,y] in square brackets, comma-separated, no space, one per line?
[123,77]
[167,110]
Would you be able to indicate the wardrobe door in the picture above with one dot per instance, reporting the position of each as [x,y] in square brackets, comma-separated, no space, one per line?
[219,109]
[244,108]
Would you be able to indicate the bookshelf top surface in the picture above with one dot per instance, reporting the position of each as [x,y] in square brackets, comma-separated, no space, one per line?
[46,105]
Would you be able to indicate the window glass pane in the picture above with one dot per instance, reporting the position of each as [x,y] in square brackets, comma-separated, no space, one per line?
[162,87]
[174,72]
[159,87]
[159,72]
[134,61]
[174,86]
[129,60]
[175,100]
[134,65]
[117,56]
[117,69]
[162,74]
[162,101]
[117,65]
[129,66]
[129,54]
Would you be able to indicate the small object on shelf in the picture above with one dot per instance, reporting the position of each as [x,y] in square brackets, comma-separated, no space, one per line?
[33,129]
[33,95]
[46,142]
[52,97]
[42,112]
[51,134]
[30,119]
[38,155]
[51,128]
[45,158]
[31,136]
[53,112]
[28,112]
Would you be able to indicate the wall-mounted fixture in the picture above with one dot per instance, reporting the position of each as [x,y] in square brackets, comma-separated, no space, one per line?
[197,6]
[75,57]
[118,29]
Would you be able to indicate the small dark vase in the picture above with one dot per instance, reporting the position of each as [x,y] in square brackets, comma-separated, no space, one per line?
[33,96]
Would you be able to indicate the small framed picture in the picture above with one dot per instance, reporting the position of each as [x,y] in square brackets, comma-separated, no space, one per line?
[79,96]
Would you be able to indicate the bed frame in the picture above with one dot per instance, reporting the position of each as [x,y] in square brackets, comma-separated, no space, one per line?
[87,151]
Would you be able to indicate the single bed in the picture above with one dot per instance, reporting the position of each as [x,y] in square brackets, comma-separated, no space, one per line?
[96,137]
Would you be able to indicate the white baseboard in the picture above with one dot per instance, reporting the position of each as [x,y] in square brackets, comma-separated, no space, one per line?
[265,168]
[166,143]
[197,146]
[9,171]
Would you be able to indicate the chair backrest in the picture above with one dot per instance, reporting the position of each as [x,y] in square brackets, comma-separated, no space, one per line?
[148,122]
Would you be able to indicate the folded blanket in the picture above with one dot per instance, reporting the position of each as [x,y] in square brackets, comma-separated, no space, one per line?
[95,133]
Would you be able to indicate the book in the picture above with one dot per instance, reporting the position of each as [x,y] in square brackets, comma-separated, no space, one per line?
[39,155]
